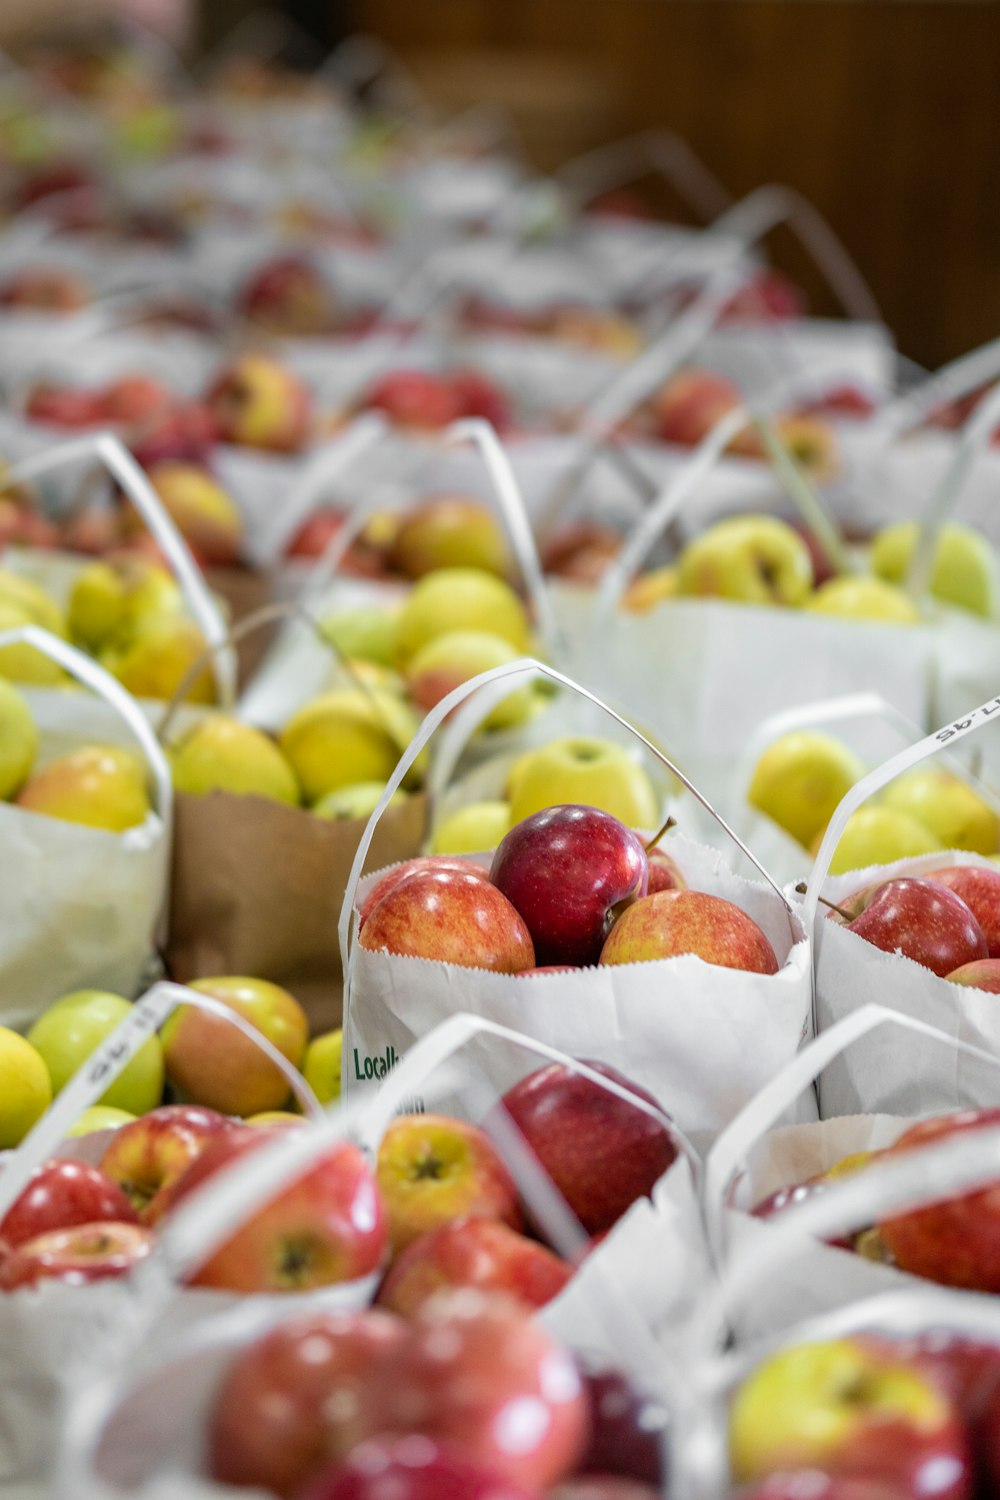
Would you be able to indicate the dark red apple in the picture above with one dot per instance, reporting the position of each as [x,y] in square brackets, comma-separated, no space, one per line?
[455,917]
[61,1194]
[626,1429]
[600,1152]
[569,870]
[412,1468]
[919,919]
[979,888]
[790,1197]
[473,1252]
[290,297]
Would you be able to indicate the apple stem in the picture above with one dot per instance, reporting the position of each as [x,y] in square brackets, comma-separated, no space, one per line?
[801,888]
[670,823]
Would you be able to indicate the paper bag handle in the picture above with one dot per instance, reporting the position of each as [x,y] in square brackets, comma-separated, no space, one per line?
[621,162]
[949,383]
[874,782]
[112,453]
[104,1065]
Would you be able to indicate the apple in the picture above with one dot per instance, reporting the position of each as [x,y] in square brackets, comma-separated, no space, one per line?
[448,660]
[346,736]
[357,800]
[627,1429]
[204,514]
[580,550]
[289,297]
[148,1154]
[72,1028]
[64,406]
[314,536]
[583,770]
[474,1252]
[453,917]
[690,404]
[210,1063]
[222,754]
[134,398]
[979,888]
[45,288]
[753,559]
[472,829]
[185,433]
[321,1065]
[856,1409]
[677,922]
[156,657]
[801,1192]
[100,786]
[918,919]
[77,1256]
[878,835]
[412,1468]
[25,1087]
[258,402]
[864,599]
[18,739]
[665,873]
[432,1169]
[459,599]
[62,1194]
[419,399]
[984,974]
[366,633]
[954,1241]
[327,1227]
[600,1152]
[31,598]
[449,531]
[110,598]
[963,571]
[398,873]
[479,396]
[800,780]
[287,1405]
[948,806]
[648,590]
[99,1117]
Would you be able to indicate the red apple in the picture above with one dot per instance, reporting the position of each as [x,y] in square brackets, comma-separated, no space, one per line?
[477,395]
[85,1253]
[61,1194]
[983,974]
[392,878]
[600,1152]
[676,922]
[454,917]
[480,1372]
[979,888]
[288,296]
[328,1227]
[287,1404]
[476,1252]
[569,870]
[412,1468]
[182,433]
[626,1429]
[258,402]
[664,872]
[432,1169]
[920,919]
[135,398]
[691,404]
[148,1154]
[64,406]
[955,1241]
[770,294]
[414,398]
[47,288]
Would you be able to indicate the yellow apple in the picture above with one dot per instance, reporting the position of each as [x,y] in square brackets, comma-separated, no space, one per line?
[100,786]
[346,736]
[22,663]
[453,658]
[879,836]
[459,599]
[948,806]
[222,754]
[585,770]
[449,531]
[204,514]
[100,1117]
[963,571]
[365,633]
[109,599]
[18,739]
[755,559]
[472,829]
[25,1090]
[157,655]
[864,599]
[321,1068]
[650,589]
[72,1028]
[358,799]
[801,778]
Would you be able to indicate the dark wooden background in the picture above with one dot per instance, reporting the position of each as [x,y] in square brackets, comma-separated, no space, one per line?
[885,112]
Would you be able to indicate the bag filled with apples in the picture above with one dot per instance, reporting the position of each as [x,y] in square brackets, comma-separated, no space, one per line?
[496,1312]
[697,994]
[759,1177]
[87,817]
[916,934]
[79,1215]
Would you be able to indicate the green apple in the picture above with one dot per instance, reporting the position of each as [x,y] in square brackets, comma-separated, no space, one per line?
[864,599]
[100,1117]
[358,799]
[22,663]
[800,780]
[222,754]
[453,658]
[754,559]
[365,633]
[963,572]
[472,829]
[109,599]
[71,1029]
[29,596]
[18,739]
[346,736]
[586,770]
[879,836]
[948,806]
[459,599]
[25,1088]
[321,1065]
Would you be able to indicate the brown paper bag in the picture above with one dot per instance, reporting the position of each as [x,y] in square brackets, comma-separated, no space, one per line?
[257,889]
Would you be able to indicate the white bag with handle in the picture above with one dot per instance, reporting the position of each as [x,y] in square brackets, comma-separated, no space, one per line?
[701,1038]
[897,1075]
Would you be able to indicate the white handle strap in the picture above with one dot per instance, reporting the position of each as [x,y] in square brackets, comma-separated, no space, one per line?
[530,669]
[764,209]
[104,1065]
[585,177]
[949,734]
[111,452]
[950,383]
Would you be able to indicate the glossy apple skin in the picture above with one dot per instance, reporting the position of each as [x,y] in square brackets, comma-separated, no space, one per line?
[600,1152]
[626,1430]
[412,1468]
[567,869]
[454,917]
[789,1197]
[77,1256]
[432,1169]
[148,1154]
[979,888]
[61,1195]
[955,1242]
[475,1366]
[984,974]
[328,1227]
[920,919]
[287,1405]
[474,1252]
[664,873]
[675,922]
[392,877]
